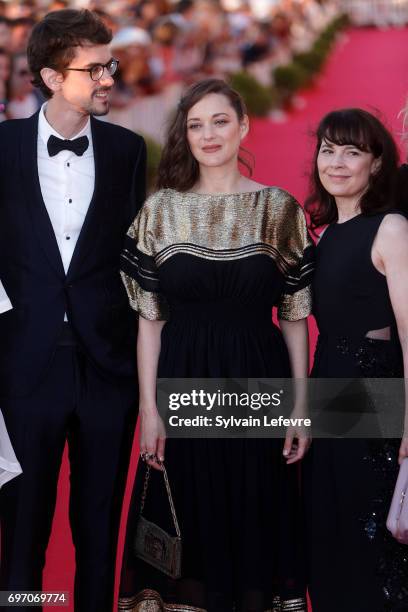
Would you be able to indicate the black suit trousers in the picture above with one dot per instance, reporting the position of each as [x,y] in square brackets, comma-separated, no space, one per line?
[97,418]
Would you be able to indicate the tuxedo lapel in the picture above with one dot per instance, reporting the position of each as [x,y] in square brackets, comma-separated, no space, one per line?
[91,229]
[40,220]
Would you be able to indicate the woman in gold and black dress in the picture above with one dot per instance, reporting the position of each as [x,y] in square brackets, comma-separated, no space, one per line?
[207,258]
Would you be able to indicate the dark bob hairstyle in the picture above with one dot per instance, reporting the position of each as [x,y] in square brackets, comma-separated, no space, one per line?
[357,127]
[178,168]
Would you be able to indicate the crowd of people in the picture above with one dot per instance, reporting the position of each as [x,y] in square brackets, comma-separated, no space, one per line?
[162,45]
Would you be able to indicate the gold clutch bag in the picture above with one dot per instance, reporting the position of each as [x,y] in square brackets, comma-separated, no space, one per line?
[154,545]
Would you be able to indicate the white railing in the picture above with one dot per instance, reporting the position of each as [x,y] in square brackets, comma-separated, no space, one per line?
[380,13]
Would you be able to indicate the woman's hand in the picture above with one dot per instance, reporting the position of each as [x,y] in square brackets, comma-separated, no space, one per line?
[296,444]
[403,451]
[152,437]
[402,531]
[296,336]
[402,537]
[152,430]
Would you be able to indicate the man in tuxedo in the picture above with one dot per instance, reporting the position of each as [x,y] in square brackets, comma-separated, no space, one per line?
[70,186]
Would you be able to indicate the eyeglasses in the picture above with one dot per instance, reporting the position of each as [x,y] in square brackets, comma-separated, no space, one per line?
[96,71]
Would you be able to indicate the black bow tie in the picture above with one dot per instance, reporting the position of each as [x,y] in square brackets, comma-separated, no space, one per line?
[77,146]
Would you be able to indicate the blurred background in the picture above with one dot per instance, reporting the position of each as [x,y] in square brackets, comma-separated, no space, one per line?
[292,61]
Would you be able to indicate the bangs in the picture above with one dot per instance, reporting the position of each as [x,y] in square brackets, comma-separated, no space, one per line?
[350,127]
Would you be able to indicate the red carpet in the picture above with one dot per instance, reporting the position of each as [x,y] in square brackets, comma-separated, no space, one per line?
[369,68]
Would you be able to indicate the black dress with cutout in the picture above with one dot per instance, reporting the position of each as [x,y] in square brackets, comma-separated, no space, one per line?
[354,565]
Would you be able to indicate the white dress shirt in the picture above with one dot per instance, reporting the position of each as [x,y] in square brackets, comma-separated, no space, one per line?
[5,303]
[67,184]
[9,466]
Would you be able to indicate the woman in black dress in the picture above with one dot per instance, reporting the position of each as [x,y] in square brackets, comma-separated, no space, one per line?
[205,261]
[360,293]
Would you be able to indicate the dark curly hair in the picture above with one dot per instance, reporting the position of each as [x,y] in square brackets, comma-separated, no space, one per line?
[357,127]
[178,168]
[53,40]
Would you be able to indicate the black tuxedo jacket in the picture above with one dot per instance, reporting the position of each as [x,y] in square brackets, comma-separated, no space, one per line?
[91,292]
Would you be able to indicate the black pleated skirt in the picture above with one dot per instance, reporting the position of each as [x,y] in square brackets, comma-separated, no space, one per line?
[237,501]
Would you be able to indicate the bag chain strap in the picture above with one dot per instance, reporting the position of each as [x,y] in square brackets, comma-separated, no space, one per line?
[169,495]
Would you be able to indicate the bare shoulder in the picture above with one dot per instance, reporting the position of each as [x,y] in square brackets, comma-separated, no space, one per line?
[393,227]
[391,242]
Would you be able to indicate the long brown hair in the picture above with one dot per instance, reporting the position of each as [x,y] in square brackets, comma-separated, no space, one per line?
[178,168]
[357,127]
